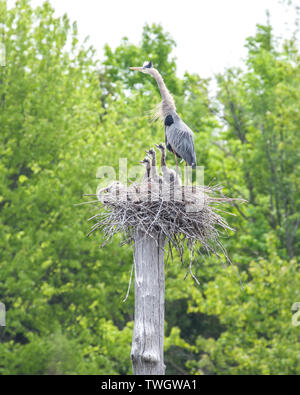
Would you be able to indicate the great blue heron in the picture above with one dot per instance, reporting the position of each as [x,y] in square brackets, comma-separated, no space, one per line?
[116,187]
[169,175]
[146,163]
[179,137]
[155,176]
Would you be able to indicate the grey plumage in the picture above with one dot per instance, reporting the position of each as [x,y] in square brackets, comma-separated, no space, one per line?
[179,137]
[168,175]
[146,163]
[155,176]
[115,188]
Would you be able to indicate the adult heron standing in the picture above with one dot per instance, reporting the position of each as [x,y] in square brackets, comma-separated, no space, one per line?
[179,137]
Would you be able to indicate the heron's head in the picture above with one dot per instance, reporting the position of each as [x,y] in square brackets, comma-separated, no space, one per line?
[146,68]
[145,161]
[160,146]
[115,184]
[151,152]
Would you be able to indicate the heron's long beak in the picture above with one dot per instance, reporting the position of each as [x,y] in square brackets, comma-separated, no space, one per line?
[136,68]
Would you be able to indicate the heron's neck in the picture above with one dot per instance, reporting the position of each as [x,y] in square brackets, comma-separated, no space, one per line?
[165,171]
[168,103]
[163,159]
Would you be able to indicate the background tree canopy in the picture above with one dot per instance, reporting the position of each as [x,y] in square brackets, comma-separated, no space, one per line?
[62,115]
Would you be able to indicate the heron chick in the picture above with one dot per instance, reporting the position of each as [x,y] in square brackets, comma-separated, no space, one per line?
[155,176]
[146,163]
[116,187]
[179,137]
[169,175]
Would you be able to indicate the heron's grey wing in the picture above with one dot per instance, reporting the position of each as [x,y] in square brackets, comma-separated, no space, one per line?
[181,139]
[167,143]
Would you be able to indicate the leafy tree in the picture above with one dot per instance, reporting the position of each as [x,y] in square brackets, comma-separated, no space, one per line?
[261,115]
[62,115]
[259,337]
[54,280]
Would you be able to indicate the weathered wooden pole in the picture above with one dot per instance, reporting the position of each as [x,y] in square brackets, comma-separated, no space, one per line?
[147,352]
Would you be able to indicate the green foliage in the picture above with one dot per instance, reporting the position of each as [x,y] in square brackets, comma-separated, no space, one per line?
[259,337]
[52,278]
[262,138]
[62,115]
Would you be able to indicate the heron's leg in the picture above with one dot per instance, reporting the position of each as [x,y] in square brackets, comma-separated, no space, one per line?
[176,162]
[187,175]
[185,178]
[193,187]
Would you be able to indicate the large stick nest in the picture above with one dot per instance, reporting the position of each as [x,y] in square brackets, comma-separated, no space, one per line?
[185,215]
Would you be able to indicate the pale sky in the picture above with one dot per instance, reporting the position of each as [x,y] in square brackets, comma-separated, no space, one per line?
[210,34]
